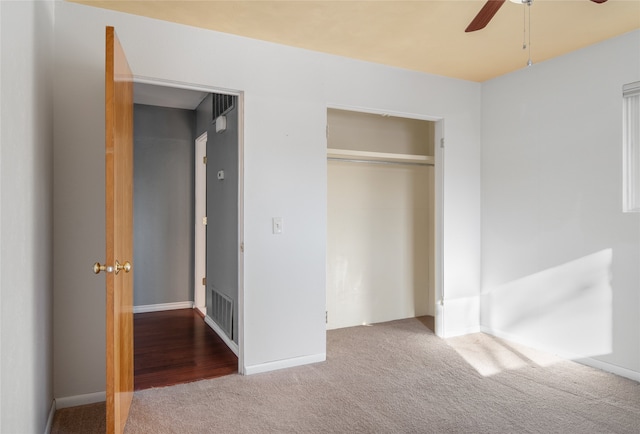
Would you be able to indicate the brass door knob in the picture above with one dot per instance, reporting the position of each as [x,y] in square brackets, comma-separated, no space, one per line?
[97,268]
[126,266]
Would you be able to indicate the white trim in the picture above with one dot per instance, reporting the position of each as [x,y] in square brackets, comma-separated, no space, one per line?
[460,316]
[631,149]
[74,401]
[438,228]
[232,345]
[379,156]
[52,413]
[200,230]
[608,367]
[588,361]
[385,112]
[1,232]
[460,331]
[286,363]
[240,345]
[163,306]
[182,85]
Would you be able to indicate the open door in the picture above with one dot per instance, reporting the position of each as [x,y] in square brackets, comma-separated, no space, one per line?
[119,232]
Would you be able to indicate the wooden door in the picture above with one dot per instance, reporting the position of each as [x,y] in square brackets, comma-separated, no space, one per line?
[119,232]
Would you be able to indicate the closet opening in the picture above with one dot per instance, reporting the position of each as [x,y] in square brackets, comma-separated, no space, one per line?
[381,218]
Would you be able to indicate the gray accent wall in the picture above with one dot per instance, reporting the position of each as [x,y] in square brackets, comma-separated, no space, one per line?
[204,115]
[222,215]
[163,204]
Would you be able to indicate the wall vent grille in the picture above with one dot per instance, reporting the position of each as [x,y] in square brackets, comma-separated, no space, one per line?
[222,104]
[222,312]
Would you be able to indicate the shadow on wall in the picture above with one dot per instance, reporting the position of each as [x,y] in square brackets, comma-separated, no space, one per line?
[565,309]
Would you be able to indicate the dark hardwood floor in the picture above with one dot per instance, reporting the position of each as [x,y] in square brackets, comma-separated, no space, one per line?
[177,346]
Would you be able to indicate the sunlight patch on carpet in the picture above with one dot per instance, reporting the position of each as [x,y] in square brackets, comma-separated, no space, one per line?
[490,356]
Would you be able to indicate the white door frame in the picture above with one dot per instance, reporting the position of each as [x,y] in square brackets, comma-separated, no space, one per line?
[200,231]
[438,202]
[240,101]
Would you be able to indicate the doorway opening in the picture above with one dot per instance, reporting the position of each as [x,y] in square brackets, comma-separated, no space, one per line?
[169,226]
[383,215]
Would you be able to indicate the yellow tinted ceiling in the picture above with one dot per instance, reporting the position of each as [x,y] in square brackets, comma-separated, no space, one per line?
[425,35]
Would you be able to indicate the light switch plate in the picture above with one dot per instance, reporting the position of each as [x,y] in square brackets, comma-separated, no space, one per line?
[277,225]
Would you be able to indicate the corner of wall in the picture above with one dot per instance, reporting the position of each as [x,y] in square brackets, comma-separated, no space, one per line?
[460,316]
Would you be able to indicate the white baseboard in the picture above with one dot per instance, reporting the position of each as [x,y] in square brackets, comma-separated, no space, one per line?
[608,367]
[163,306]
[287,363]
[74,401]
[52,413]
[232,345]
[588,361]
[452,333]
[202,309]
[459,316]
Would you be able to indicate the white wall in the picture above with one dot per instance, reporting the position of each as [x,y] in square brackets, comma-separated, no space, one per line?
[287,92]
[26,119]
[560,260]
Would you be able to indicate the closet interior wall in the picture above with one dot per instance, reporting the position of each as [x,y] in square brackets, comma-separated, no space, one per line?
[380,247]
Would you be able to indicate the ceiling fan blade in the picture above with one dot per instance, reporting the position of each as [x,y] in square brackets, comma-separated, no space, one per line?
[484,16]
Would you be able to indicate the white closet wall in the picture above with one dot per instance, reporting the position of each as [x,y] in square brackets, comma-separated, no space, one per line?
[380,222]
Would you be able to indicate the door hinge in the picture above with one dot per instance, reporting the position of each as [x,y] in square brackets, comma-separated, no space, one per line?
[204,281]
[204,160]
[442,142]
[204,221]
[242,247]
[327,131]
[326,317]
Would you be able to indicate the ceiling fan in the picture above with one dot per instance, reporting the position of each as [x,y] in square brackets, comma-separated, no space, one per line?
[489,10]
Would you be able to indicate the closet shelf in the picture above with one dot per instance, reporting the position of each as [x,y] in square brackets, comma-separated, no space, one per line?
[348,154]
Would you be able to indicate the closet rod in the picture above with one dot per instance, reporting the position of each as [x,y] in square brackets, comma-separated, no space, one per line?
[404,163]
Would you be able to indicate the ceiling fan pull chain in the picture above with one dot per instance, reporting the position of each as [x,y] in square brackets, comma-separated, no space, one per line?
[524,29]
[529,63]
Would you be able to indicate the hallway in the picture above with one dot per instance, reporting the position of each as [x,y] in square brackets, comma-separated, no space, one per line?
[177,346]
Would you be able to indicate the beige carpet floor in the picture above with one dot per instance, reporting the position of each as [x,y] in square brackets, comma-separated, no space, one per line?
[395,377]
